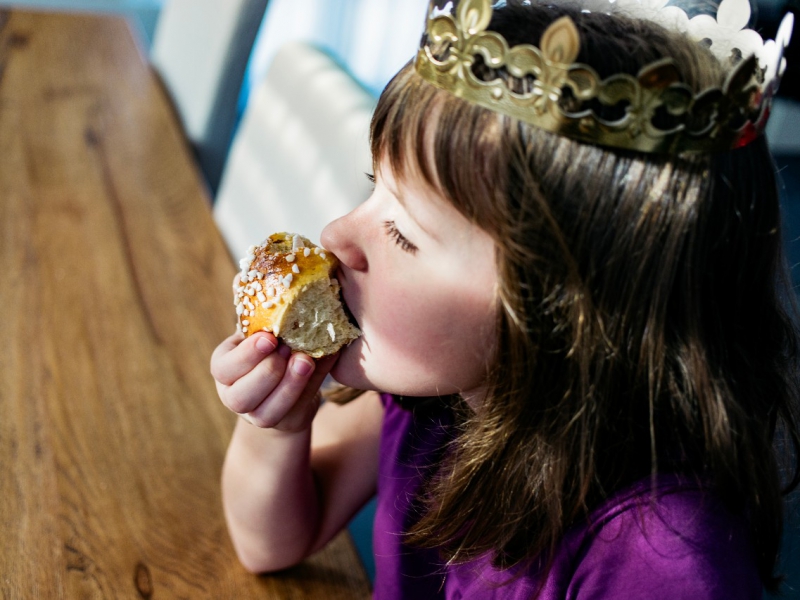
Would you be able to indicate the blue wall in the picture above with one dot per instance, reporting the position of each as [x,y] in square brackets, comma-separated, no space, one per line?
[143,14]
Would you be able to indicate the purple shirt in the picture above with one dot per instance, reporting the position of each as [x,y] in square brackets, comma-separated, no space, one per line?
[672,542]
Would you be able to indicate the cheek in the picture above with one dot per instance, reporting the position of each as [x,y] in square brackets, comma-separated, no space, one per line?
[425,340]
[430,323]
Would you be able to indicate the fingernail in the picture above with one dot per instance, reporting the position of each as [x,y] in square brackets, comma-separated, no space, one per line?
[285,352]
[265,344]
[302,367]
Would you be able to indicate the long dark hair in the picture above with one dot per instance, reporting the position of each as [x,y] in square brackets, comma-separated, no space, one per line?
[642,309]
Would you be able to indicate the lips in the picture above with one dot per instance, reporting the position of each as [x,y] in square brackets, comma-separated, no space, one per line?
[345,304]
[349,314]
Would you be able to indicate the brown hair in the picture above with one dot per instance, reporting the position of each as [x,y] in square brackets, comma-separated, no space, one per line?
[642,323]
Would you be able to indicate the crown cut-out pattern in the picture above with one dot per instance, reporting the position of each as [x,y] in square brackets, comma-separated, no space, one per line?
[716,119]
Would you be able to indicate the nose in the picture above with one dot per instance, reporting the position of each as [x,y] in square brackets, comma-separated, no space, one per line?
[342,238]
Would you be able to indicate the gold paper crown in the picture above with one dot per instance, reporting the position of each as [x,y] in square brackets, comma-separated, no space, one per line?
[714,120]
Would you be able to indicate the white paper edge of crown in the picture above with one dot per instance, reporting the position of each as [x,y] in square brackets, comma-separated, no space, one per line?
[726,33]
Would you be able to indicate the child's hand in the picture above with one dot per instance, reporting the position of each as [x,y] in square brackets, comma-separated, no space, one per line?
[267,384]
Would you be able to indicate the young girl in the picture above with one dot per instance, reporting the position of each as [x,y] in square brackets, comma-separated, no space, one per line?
[569,281]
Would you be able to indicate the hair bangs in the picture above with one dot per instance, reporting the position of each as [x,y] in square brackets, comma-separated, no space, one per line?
[453,146]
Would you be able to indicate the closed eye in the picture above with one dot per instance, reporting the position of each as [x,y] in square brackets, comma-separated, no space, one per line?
[399,238]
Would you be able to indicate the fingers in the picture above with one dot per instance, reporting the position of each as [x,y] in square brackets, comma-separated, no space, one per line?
[268,384]
[295,416]
[302,413]
[236,356]
[256,386]
[287,394]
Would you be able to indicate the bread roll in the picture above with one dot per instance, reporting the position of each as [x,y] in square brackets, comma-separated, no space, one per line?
[286,287]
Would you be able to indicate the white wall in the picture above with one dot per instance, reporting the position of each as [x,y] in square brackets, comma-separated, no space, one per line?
[373,38]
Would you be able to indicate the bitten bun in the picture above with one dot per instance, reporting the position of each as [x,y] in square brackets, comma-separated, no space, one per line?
[286,287]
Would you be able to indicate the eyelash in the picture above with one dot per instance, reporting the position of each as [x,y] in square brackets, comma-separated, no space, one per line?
[399,238]
[392,230]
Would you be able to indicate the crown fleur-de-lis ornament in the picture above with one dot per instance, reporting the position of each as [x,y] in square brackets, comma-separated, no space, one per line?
[717,119]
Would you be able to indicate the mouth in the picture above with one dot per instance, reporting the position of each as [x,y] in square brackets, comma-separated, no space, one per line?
[350,317]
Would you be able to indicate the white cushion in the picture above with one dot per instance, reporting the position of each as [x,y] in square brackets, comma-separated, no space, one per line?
[300,154]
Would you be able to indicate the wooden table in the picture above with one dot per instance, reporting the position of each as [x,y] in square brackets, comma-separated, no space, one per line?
[114,289]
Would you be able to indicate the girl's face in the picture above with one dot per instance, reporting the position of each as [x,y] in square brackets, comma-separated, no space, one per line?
[420,281]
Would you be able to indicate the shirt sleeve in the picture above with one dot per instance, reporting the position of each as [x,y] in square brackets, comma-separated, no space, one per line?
[669,550]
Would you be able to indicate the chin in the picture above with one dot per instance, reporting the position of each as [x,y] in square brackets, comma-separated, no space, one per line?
[348,369]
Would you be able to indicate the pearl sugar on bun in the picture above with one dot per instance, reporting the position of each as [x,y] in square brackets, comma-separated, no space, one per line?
[287,287]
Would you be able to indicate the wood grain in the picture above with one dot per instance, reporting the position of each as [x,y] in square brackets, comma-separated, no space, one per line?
[114,289]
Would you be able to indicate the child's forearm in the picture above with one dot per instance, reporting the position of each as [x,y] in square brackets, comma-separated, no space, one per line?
[270,499]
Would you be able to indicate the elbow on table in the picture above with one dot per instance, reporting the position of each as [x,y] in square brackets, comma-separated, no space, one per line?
[260,560]
[260,550]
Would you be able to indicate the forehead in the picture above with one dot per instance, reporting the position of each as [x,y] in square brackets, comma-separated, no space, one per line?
[407,139]
[460,150]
